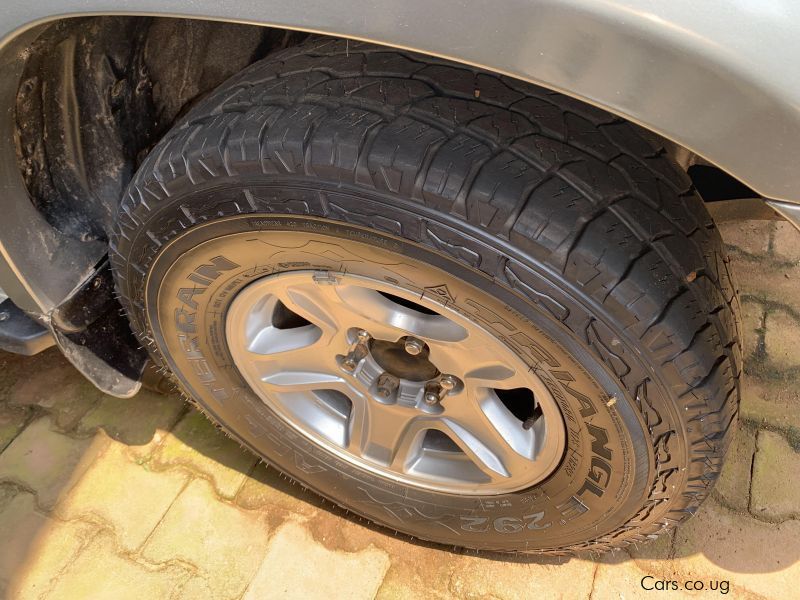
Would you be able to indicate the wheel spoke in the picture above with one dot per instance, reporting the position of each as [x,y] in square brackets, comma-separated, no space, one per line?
[478,364]
[383,433]
[307,368]
[317,301]
[271,340]
[506,428]
[324,411]
[385,318]
[485,430]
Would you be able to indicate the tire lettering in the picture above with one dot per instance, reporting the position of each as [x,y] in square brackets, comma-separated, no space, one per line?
[599,441]
[600,472]
[184,321]
[536,351]
[508,525]
[186,296]
[533,521]
[475,524]
[587,408]
[505,525]
[215,269]
[572,509]
[571,464]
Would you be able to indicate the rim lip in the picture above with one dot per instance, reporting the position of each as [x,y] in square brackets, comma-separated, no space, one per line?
[555,437]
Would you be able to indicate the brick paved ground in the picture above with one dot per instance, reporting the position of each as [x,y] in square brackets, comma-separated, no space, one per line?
[107,498]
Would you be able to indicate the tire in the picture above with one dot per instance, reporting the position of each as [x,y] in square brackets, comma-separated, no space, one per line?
[553,226]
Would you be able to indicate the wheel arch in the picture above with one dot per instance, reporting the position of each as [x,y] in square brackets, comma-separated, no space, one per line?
[690,76]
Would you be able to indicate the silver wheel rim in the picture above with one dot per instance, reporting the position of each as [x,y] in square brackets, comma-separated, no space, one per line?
[298,340]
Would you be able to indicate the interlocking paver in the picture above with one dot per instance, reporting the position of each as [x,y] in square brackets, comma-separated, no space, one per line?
[46,461]
[104,492]
[476,577]
[12,366]
[752,236]
[196,444]
[101,572]
[267,488]
[758,557]
[57,390]
[783,332]
[416,570]
[35,549]
[786,242]
[776,471]
[769,282]
[19,525]
[134,421]
[753,319]
[770,402]
[7,492]
[411,581]
[613,575]
[197,588]
[733,486]
[296,566]
[12,420]
[224,542]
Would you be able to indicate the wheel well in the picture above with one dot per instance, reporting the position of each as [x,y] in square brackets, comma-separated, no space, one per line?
[97,93]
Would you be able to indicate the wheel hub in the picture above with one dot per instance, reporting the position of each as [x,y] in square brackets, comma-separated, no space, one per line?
[396,359]
[397,384]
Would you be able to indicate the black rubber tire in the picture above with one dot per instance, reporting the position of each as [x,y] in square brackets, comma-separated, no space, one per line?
[565,212]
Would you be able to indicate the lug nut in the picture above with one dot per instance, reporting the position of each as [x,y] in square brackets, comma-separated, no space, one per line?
[436,390]
[358,350]
[433,393]
[386,385]
[431,398]
[414,346]
[448,383]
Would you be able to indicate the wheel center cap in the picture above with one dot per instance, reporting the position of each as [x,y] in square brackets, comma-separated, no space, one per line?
[394,358]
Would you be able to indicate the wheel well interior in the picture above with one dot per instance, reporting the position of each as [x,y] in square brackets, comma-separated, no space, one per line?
[98,92]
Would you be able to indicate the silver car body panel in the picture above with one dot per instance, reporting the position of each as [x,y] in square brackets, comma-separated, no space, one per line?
[788,210]
[715,77]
